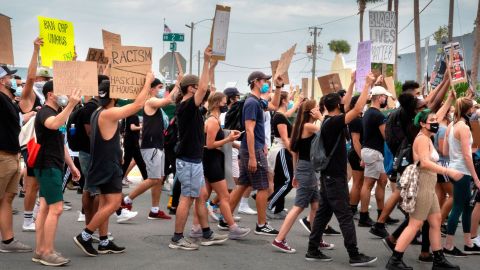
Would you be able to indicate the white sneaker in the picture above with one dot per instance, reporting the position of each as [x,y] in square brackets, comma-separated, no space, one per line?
[81,217]
[126,215]
[28,227]
[246,210]
[237,218]
[476,241]
[66,207]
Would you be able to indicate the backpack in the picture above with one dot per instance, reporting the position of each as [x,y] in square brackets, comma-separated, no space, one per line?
[318,155]
[233,118]
[394,133]
[28,141]
[409,188]
[78,135]
[171,134]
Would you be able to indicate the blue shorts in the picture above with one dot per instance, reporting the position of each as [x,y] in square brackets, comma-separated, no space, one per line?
[190,175]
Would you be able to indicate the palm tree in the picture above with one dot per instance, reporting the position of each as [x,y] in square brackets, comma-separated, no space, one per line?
[395,8]
[416,25]
[362,5]
[476,49]
[450,20]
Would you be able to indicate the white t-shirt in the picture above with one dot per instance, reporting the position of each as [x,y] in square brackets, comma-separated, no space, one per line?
[268,129]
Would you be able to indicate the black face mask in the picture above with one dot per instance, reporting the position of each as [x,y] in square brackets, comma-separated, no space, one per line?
[223,109]
[384,104]
[341,107]
[434,127]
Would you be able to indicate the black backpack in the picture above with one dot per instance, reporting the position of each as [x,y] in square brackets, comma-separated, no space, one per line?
[76,138]
[394,133]
[233,118]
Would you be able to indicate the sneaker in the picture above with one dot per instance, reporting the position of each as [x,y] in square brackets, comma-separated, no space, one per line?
[53,259]
[426,259]
[391,221]
[378,229]
[214,239]
[28,227]
[126,215]
[326,246]
[213,212]
[471,250]
[246,210]
[111,248]
[127,206]
[317,255]
[66,207]
[238,232]
[441,263]
[388,244]
[283,246]
[476,241]
[14,247]
[362,260]
[455,252]
[184,244]
[330,231]
[222,225]
[397,264]
[366,223]
[81,217]
[195,234]
[265,230]
[36,257]
[85,246]
[159,215]
[306,224]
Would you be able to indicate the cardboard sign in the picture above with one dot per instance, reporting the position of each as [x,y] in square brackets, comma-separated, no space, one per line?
[179,63]
[457,64]
[58,40]
[129,68]
[284,76]
[97,55]
[305,87]
[219,33]
[109,40]
[6,47]
[330,83]
[75,74]
[284,63]
[475,133]
[382,35]
[364,64]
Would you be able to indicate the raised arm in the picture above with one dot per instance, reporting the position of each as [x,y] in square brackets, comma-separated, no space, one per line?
[435,104]
[442,112]
[28,96]
[348,96]
[273,106]
[362,100]
[203,83]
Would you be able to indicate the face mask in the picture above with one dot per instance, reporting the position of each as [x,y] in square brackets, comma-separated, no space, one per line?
[264,88]
[290,105]
[18,91]
[12,86]
[39,85]
[223,109]
[469,115]
[341,107]
[160,93]
[434,127]
[62,101]
[384,104]
[263,103]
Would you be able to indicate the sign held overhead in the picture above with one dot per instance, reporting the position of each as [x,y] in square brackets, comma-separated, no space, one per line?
[219,34]
[6,47]
[58,40]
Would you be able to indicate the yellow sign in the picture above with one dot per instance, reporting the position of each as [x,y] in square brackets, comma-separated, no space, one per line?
[58,40]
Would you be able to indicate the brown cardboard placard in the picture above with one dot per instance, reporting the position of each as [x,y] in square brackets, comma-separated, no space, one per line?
[284,76]
[330,83]
[96,55]
[475,133]
[109,40]
[305,87]
[179,63]
[130,65]
[219,32]
[6,47]
[75,74]
[285,60]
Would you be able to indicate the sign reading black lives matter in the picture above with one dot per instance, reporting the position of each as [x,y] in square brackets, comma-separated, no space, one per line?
[129,69]
[382,35]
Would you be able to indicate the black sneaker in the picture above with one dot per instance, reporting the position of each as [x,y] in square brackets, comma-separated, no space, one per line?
[365,222]
[455,252]
[85,246]
[306,224]
[397,264]
[266,230]
[330,231]
[222,225]
[317,255]
[471,250]
[388,244]
[391,221]
[361,260]
[172,211]
[378,229]
[441,263]
[111,248]
[426,259]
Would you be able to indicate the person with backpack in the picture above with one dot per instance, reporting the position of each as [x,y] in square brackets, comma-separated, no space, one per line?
[426,206]
[334,197]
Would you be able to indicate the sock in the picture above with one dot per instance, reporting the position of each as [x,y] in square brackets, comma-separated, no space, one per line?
[104,241]
[243,202]
[6,242]
[119,211]
[207,233]
[86,234]
[354,208]
[364,216]
[397,255]
[27,217]
[177,236]
[260,225]
[379,212]
[127,200]
[155,209]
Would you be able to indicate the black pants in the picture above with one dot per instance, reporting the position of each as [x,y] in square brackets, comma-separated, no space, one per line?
[132,150]
[282,179]
[334,199]
[425,233]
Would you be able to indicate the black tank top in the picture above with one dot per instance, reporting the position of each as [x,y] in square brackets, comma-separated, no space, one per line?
[220,136]
[152,132]
[304,148]
[106,155]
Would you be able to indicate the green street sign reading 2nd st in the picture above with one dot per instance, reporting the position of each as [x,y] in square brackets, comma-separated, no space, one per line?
[174,37]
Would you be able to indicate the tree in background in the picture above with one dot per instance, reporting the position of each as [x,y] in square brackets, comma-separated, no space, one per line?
[416,25]
[441,34]
[339,46]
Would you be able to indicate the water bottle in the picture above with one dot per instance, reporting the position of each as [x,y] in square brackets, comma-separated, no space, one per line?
[404,162]
[72,129]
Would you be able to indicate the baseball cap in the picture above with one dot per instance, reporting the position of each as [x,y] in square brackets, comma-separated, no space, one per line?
[258,75]
[104,92]
[379,90]
[4,71]
[231,92]
[189,80]
[44,72]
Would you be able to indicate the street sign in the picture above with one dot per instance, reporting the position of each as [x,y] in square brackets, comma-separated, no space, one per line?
[180,37]
[168,66]
[173,46]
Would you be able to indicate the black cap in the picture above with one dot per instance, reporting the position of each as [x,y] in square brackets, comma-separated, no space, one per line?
[231,92]
[257,75]
[4,71]
[47,88]
[104,92]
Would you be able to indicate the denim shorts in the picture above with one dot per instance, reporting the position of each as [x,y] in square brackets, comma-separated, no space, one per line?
[84,160]
[190,175]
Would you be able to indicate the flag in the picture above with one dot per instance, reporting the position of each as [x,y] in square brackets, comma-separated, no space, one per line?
[166,29]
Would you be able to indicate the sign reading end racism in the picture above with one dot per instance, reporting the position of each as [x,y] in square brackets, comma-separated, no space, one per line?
[382,35]
[79,75]
[129,69]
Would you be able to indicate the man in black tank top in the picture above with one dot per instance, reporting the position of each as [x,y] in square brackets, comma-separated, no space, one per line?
[152,148]
[105,171]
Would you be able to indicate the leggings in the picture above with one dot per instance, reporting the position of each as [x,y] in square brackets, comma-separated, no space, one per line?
[132,150]
[282,179]
[461,205]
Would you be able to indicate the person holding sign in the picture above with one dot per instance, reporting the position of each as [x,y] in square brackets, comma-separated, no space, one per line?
[105,171]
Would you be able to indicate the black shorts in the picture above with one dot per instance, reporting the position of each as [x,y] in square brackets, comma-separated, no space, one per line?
[25,158]
[442,179]
[354,160]
[213,165]
[112,187]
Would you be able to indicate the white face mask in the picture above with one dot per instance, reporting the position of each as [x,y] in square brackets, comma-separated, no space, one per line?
[39,85]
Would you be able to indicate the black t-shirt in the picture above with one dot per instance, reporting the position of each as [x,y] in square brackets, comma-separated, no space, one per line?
[331,130]
[356,126]
[9,124]
[279,118]
[372,137]
[132,136]
[190,130]
[85,115]
[51,153]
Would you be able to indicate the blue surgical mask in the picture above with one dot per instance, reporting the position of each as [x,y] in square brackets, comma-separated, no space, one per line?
[160,93]
[264,88]
[290,105]
[18,91]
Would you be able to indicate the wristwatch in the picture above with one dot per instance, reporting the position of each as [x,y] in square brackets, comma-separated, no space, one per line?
[280,86]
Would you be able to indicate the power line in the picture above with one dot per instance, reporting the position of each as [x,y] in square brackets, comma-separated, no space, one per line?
[410,22]
[245,67]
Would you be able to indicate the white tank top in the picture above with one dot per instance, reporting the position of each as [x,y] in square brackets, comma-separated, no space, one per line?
[457,161]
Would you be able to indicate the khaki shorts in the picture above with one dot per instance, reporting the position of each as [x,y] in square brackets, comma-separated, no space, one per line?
[373,163]
[10,173]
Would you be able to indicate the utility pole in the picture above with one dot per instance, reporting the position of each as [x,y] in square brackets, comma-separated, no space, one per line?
[314,56]
[191,46]
[198,63]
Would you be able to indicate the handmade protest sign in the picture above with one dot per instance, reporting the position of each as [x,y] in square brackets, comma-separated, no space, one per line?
[179,63]
[58,40]
[75,74]
[129,68]
[456,65]
[6,47]
[97,55]
[109,40]
[330,83]
[219,33]
[382,35]
[284,62]
[284,76]
[305,87]
[363,64]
